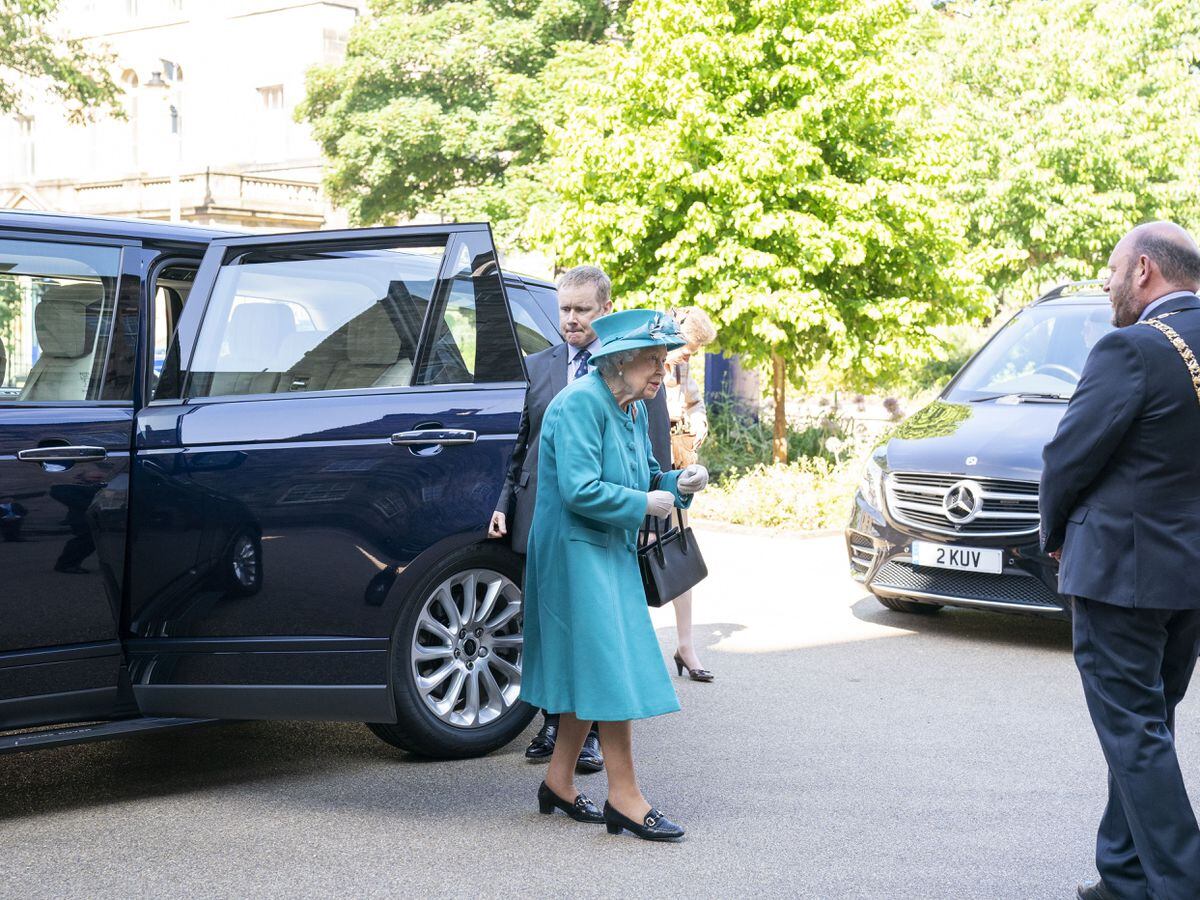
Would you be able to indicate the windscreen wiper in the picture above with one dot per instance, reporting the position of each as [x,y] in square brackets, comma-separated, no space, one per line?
[1024,396]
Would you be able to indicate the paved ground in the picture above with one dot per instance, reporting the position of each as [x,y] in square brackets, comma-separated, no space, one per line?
[844,751]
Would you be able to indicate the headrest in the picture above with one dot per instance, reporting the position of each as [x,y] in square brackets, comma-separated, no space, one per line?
[371,338]
[65,319]
[255,336]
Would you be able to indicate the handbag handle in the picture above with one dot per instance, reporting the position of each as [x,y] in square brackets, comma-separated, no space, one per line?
[656,525]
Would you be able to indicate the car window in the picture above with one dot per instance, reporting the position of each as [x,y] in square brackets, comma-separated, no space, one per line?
[314,320]
[472,338]
[533,334]
[1040,350]
[171,288]
[56,312]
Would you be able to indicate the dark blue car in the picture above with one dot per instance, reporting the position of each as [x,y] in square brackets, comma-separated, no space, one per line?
[947,513]
[249,477]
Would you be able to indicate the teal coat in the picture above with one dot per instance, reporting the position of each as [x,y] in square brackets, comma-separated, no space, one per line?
[590,648]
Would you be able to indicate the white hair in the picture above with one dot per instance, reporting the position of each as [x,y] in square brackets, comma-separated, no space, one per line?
[613,363]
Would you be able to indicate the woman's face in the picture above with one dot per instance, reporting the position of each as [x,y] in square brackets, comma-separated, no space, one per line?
[644,373]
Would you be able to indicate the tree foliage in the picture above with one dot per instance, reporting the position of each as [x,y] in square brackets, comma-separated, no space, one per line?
[32,55]
[762,159]
[440,106]
[1073,121]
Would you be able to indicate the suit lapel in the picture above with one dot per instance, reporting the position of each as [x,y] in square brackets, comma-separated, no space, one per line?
[558,369]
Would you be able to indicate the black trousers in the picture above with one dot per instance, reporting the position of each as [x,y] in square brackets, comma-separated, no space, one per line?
[1136,665]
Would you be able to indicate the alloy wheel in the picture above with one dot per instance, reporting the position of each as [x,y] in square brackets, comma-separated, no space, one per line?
[467,648]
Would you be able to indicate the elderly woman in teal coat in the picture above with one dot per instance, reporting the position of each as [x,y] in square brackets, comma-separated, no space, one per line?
[591,653]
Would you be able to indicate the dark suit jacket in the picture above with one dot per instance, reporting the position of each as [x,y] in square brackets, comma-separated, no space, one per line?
[1120,491]
[547,376]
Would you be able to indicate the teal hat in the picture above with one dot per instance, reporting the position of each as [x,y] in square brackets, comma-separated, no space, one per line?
[635,329]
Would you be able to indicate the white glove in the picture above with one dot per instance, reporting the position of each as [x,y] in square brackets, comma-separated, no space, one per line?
[692,480]
[659,503]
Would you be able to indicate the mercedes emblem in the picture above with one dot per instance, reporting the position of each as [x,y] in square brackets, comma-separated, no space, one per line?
[962,502]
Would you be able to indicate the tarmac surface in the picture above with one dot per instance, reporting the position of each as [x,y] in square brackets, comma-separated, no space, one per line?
[843,751]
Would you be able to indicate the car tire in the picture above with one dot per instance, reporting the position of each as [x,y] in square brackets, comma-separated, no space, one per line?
[908,606]
[242,564]
[455,666]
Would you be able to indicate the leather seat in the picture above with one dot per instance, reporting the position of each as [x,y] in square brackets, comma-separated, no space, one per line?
[364,352]
[64,322]
[255,340]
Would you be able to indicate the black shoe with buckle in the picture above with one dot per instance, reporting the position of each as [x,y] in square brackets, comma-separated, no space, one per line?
[655,827]
[581,810]
[591,760]
[1097,891]
[542,745]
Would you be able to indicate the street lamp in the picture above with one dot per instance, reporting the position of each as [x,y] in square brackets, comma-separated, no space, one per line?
[171,95]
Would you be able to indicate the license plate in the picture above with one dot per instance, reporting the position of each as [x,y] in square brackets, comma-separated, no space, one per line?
[964,559]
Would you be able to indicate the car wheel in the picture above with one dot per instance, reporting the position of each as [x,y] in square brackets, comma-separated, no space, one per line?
[456,658]
[242,565]
[908,606]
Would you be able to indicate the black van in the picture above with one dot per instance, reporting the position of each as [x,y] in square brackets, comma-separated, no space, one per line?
[947,511]
[249,476]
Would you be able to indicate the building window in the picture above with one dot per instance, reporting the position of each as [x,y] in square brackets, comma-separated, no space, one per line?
[25,154]
[271,97]
[335,45]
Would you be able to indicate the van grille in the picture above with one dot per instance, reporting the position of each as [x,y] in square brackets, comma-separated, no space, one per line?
[1012,588]
[1009,508]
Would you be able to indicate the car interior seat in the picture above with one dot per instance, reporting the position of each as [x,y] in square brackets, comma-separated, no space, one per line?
[254,341]
[64,322]
[364,352]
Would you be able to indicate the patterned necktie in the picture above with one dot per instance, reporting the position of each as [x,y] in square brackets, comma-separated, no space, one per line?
[582,359]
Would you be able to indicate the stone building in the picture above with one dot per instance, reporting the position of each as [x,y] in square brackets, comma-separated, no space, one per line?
[209,136]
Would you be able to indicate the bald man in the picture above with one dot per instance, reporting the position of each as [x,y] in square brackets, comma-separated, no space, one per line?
[1120,505]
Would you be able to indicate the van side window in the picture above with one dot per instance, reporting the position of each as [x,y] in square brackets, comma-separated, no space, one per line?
[532,334]
[56,315]
[171,288]
[472,340]
[282,321]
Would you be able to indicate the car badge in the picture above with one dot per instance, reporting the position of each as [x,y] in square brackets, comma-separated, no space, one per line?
[972,460]
[962,502]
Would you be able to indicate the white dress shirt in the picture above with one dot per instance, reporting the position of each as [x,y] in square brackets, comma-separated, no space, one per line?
[573,357]
[1155,304]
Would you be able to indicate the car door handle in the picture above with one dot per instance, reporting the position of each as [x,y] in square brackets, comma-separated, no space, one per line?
[442,436]
[62,454]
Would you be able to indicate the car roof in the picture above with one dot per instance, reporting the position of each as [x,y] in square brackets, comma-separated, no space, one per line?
[107,226]
[147,229]
[1074,292]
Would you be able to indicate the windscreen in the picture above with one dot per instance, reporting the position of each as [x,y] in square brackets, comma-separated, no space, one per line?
[1040,351]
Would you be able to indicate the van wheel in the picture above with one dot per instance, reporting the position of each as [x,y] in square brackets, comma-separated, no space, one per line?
[242,565]
[908,606]
[456,658]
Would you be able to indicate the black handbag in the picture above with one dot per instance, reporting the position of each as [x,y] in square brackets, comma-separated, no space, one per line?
[671,563]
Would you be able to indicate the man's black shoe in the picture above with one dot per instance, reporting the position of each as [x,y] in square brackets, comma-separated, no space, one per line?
[590,758]
[1097,891]
[542,745]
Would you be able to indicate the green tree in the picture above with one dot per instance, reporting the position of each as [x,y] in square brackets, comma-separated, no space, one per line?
[1074,121]
[440,107]
[767,161]
[33,56]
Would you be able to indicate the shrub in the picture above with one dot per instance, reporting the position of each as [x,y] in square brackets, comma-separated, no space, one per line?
[810,493]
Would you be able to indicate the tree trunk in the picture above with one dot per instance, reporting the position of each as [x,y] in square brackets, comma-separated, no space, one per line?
[780,391]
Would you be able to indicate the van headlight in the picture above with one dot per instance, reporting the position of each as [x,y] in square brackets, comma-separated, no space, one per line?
[872,483]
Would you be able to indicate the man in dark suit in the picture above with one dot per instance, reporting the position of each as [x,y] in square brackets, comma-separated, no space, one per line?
[1120,505]
[584,294]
